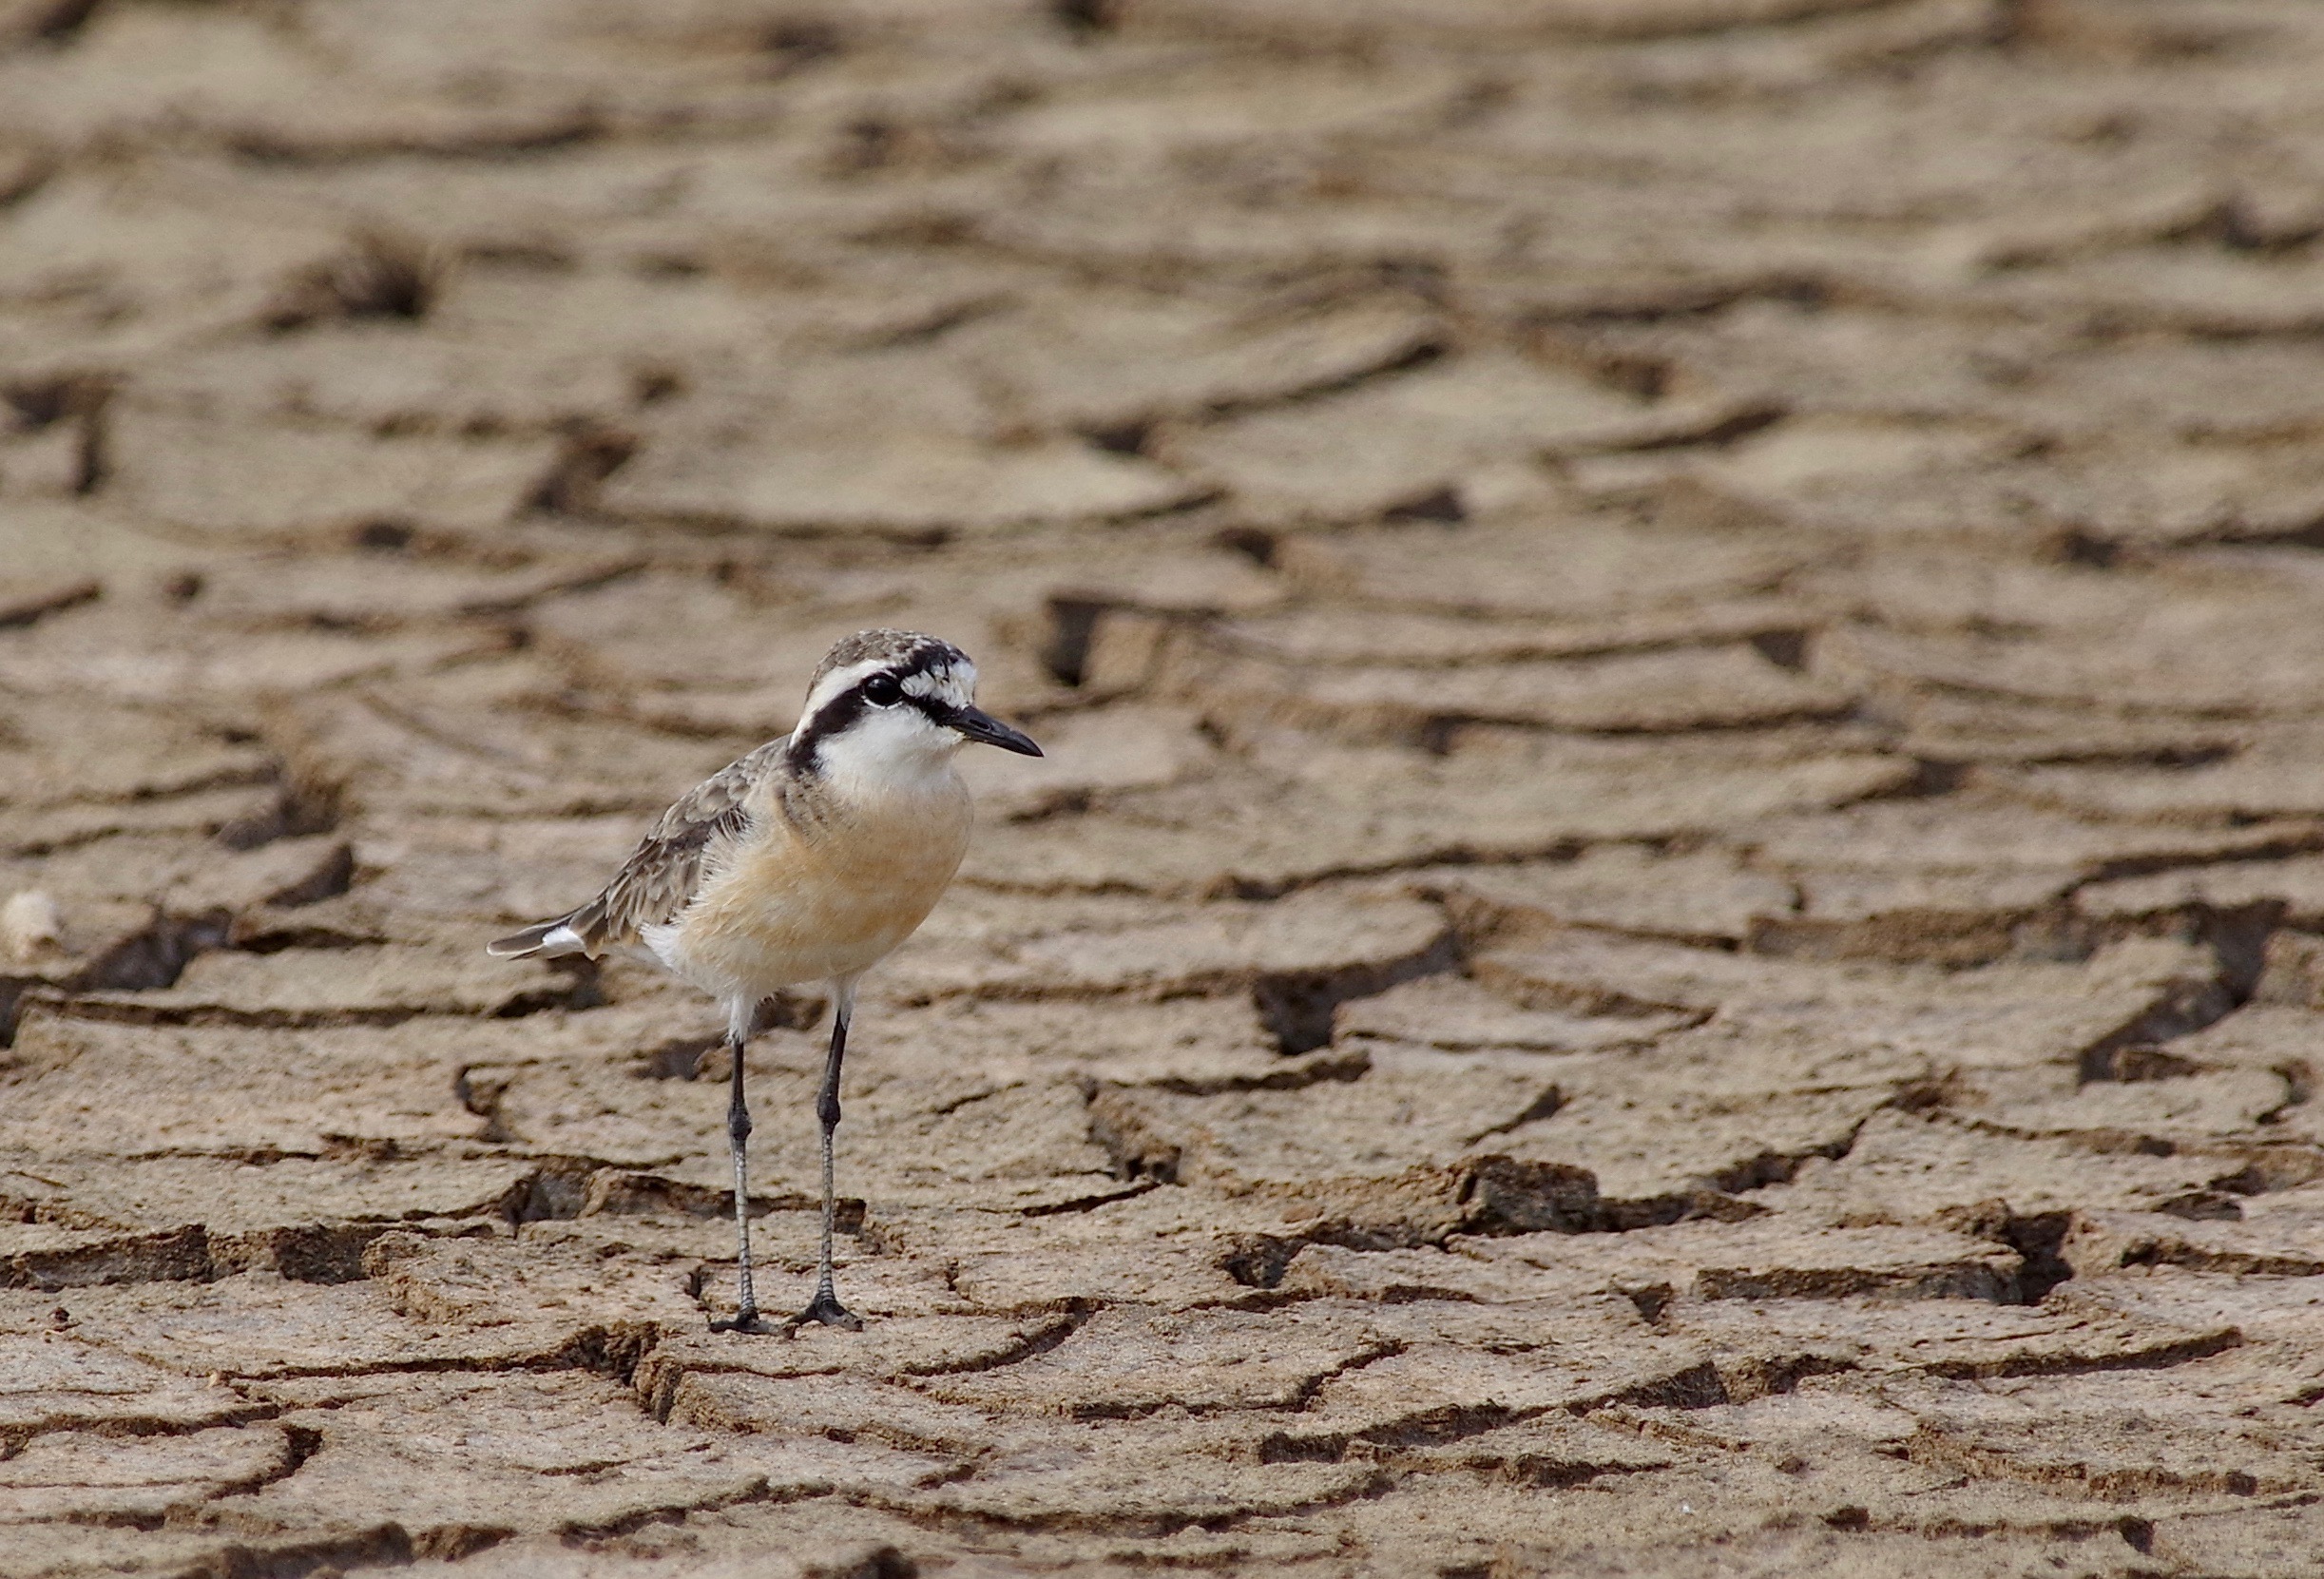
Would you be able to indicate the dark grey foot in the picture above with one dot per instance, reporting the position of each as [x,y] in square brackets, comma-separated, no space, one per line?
[827,1309]
[744,1320]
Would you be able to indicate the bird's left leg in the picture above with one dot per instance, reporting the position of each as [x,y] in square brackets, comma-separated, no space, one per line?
[738,1137]
[825,1307]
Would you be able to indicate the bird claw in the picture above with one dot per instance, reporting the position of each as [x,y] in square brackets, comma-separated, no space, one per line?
[745,1321]
[826,1309]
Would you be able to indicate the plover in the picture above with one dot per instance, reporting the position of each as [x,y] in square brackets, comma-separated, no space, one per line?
[809,860]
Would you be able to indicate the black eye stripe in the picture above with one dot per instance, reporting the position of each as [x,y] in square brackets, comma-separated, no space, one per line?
[844,709]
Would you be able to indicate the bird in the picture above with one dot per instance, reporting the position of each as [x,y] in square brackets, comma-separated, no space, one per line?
[811,858]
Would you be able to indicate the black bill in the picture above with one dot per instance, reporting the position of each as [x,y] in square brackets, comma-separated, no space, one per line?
[986,729]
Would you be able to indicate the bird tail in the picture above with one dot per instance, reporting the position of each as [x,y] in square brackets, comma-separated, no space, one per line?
[548,938]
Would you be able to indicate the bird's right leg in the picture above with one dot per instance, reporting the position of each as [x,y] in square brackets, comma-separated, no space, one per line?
[825,1307]
[739,1138]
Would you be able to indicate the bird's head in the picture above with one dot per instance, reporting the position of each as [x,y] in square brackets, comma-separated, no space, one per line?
[889,706]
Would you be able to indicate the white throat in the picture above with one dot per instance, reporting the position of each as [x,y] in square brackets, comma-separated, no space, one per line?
[890,753]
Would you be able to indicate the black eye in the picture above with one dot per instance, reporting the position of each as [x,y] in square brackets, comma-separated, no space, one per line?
[882,691]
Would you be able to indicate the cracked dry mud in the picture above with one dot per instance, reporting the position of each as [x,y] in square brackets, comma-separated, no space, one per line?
[1676,923]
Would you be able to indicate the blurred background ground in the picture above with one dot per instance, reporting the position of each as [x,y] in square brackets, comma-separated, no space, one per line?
[1676,924]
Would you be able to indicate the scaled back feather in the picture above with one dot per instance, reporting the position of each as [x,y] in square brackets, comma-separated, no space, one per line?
[668,868]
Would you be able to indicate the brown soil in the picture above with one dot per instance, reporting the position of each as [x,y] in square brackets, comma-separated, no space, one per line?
[1676,924]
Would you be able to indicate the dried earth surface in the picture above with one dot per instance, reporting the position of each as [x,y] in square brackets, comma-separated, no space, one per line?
[1675,922]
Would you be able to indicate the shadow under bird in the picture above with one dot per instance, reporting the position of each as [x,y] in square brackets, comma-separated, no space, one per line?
[809,860]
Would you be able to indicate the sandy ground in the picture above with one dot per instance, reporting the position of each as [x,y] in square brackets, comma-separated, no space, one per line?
[1676,923]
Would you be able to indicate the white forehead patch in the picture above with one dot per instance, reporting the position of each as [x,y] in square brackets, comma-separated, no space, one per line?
[952,683]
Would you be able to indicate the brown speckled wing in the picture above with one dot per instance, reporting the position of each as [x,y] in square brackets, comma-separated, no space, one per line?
[662,873]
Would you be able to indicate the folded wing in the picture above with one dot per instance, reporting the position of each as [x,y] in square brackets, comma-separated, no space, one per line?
[664,872]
